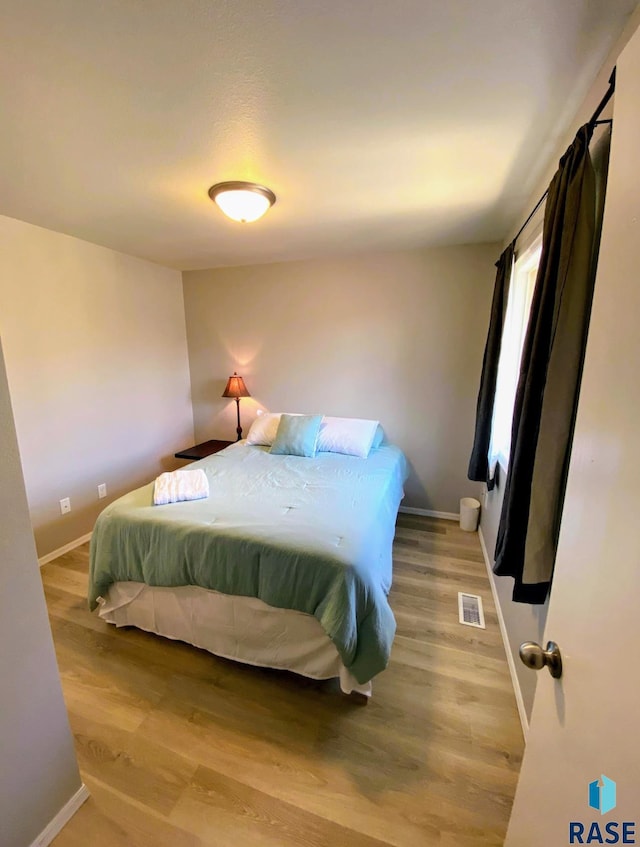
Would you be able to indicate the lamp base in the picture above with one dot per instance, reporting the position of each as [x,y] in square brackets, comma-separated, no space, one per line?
[238,428]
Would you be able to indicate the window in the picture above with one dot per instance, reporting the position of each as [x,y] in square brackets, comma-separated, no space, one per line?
[523,280]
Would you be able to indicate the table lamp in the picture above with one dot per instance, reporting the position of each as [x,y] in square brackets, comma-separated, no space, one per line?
[236,388]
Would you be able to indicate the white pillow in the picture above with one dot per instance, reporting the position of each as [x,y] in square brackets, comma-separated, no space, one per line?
[352,436]
[263,429]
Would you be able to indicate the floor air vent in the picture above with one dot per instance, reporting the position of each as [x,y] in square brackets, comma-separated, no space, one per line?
[470,610]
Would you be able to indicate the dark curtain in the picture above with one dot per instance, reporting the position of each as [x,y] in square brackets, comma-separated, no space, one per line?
[478,463]
[550,373]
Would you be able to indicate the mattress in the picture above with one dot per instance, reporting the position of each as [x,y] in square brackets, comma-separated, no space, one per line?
[312,535]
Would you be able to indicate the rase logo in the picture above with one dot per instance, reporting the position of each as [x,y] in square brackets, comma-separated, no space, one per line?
[602,798]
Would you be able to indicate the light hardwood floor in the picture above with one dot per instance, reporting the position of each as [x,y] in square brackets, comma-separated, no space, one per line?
[179,748]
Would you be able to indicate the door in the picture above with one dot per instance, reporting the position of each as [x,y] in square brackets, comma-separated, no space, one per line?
[586,725]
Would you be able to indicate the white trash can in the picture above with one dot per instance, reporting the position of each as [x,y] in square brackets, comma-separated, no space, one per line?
[469,514]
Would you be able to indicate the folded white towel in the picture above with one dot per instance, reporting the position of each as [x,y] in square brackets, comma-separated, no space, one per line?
[180,485]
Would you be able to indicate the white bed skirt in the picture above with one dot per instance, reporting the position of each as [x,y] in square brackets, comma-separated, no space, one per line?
[241,628]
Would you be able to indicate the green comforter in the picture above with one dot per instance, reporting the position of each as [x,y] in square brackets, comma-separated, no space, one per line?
[308,534]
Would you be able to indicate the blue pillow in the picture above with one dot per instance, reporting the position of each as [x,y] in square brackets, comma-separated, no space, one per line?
[297,435]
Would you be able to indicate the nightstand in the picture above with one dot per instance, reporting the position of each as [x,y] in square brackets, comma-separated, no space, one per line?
[201,451]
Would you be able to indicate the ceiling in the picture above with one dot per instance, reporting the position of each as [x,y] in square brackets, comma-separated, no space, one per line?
[377,124]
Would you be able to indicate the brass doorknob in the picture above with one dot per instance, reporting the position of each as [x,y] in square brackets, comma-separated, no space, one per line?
[533,656]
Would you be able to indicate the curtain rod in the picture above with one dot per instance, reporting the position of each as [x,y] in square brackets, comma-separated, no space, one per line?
[608,95]
[593,122]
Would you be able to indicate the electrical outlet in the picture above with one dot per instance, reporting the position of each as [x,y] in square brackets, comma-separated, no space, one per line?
[102,490]
[65,506]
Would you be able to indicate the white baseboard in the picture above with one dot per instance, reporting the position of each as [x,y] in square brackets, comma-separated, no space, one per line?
[64,816]
[61,550]
[524,720]
[427,513]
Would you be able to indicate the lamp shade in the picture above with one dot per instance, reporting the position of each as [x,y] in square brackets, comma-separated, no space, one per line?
[235,387]
[242,201]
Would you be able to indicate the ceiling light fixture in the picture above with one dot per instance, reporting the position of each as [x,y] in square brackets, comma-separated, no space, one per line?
[242,201]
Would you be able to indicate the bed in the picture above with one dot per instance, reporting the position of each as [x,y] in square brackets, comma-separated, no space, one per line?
[287,564]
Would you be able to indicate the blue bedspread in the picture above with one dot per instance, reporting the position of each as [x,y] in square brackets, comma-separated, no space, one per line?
[308,534]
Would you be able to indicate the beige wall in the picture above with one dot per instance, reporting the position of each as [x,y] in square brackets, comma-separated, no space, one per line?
[96,356]
[522,622]
[38,771]
[392,336]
